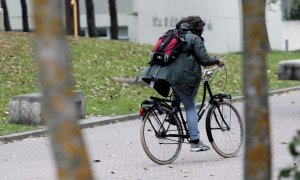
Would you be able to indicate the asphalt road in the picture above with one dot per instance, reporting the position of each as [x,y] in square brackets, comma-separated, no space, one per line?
[119,154]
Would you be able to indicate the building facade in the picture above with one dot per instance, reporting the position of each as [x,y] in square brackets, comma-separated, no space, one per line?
[143,21]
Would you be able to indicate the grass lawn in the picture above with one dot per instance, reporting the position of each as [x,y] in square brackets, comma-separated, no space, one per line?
[95,64]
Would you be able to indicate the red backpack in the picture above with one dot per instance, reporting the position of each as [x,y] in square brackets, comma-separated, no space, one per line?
[168,47]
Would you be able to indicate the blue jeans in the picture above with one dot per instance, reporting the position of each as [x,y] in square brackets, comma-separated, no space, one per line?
[191,113]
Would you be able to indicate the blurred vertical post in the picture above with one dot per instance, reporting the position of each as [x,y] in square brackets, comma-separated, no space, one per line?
[74,4]
[57,88]
[258,152]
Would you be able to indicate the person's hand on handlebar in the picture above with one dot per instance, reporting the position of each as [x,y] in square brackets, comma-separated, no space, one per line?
[221,63]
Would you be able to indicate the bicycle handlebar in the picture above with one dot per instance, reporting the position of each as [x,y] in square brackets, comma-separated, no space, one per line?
[215,67]
[208,73]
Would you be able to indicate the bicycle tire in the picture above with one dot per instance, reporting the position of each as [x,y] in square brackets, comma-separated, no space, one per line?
[159,149]
[227,142]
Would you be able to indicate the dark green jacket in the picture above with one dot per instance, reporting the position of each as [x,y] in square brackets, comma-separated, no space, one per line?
[185,72]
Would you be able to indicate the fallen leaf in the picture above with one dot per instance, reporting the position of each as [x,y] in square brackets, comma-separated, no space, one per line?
[184,171]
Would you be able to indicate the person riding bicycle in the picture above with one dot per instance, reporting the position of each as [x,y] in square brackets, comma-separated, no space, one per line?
[184,74]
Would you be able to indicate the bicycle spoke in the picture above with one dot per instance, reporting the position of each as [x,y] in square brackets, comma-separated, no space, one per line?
[161,140]
[156,118]
[169,143]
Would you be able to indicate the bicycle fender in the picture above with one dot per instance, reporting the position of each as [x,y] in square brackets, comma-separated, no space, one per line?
[148,104]
[220,97]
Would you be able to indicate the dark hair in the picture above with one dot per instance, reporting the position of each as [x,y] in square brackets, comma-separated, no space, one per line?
[196,23]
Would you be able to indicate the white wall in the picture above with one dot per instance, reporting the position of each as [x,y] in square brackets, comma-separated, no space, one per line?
[274,26]
[223,21]
[1,20]
[148,19]
[291,31]
[222,31]
[15,14]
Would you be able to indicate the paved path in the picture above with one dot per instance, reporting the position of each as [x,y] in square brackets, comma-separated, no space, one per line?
[121,156]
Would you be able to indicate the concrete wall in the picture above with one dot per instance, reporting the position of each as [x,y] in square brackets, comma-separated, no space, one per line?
[274,26]
[291,38]
[101,6]
[154,18]
[126,17]
[1,20]
[144,21]
[223,30]
[15,14]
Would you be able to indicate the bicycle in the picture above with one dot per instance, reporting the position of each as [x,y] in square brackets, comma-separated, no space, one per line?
[164,129]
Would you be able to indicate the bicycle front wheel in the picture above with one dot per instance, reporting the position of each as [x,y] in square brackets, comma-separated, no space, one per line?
[161,135]
[225,129]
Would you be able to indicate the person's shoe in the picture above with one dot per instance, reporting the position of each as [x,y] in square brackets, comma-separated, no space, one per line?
[200,146]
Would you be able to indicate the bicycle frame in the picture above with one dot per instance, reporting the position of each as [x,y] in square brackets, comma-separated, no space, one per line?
[175,106]
[214,99]
[164,128]
[201,110]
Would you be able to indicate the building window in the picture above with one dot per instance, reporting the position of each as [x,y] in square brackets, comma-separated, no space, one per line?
[104,32]
[291,9]
[123,33]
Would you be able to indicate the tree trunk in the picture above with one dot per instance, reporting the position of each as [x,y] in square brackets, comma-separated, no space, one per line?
[90,15]
[69,18]
[113,19]
[258,150]
[58,107]
[5,16]
[24,16]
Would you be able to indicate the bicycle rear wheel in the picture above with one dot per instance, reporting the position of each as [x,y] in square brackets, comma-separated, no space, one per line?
[225,129]
[161,140]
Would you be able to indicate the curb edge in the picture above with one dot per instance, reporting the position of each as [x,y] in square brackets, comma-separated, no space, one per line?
[43,132]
